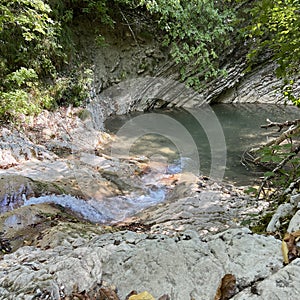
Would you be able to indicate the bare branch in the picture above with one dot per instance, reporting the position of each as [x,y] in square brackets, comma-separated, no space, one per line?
[132,32]
[294,129]
[280,125]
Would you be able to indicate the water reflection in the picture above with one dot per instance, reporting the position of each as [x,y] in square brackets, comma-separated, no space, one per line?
[241,126]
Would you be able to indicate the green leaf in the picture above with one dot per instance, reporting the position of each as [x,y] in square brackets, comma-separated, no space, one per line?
[269,174]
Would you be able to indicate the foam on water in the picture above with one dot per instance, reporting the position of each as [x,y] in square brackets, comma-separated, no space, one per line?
[112,209]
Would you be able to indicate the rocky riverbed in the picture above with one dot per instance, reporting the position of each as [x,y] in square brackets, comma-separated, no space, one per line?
[181,245]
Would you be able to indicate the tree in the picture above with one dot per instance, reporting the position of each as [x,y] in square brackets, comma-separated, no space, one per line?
[275,25]
[29,49]
[196,31]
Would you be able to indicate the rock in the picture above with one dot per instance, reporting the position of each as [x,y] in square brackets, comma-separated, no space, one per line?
[141,92]
[191,268]
[182,268]
[16,147]
[282,211]
[14,188]
[60,270]
[37,225]
[295,199]
[258,86]
[284,284]
[294,223]
[208,209]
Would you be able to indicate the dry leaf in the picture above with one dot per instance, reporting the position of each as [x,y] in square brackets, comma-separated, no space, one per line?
[285,252]
[296,234]
[142,296]
[289,247]
[131,294]
[227,287]
[108,294]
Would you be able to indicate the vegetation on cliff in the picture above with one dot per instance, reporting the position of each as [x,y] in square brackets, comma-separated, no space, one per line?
[36,43]
[275,27]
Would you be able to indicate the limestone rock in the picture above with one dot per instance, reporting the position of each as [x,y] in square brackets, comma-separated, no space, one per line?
[295,199]
[294,223]
[208,209]
[282,211]
[16,147]
[184,267]
[284,284]
[55,271]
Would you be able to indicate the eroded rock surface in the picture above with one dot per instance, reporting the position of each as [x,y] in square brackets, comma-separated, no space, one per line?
[185,266]
[202,205]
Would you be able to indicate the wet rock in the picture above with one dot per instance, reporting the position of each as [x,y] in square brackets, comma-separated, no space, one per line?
[199,205]
[31,225]
[13,190]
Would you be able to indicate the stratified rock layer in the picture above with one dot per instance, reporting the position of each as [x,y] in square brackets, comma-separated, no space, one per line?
[185,267]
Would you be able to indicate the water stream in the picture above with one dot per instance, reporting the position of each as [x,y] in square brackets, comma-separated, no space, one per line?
[178,141]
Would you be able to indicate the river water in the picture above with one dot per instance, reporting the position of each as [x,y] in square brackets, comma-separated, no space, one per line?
[208,141]
[232,129]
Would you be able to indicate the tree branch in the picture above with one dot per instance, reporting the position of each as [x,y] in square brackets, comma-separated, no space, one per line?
[280,125]
[294,129]
[132,32]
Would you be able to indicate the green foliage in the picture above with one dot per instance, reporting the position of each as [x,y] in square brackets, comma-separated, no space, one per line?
[73,88]
[29,48]
[197,32]
[35,40]
[275,25]
[273,156]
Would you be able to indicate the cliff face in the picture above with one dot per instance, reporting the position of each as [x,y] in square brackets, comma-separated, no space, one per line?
[133,71]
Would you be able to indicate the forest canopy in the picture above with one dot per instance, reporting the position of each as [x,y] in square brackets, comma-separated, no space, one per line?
[36,42]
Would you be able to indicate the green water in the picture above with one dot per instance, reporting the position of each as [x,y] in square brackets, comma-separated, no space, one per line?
[180,137]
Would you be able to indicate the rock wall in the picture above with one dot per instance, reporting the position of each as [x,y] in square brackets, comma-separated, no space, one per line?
[258,86]
[133,71]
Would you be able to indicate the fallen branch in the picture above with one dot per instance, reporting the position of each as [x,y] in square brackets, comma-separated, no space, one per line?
[294,129]
[280,125]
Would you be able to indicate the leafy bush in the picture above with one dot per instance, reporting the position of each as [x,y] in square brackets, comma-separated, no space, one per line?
[281,157]
[197,32]
[275,26]
[28,43]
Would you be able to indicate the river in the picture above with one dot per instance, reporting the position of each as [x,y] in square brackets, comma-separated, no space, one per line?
[239,126]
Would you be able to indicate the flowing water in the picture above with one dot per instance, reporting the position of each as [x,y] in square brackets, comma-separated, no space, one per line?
[207,141]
